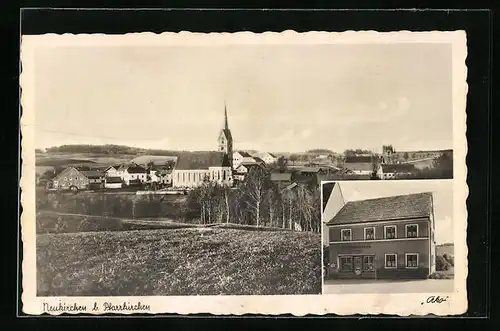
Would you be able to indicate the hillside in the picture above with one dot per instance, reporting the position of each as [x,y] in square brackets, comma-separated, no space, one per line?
[196,261]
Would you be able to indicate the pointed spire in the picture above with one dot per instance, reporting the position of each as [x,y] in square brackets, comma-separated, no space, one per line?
[226,125]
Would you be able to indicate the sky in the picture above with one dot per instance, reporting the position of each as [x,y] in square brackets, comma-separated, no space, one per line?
[279,98]
[442,191]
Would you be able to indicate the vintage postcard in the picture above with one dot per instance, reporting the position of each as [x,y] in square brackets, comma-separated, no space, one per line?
[240,173]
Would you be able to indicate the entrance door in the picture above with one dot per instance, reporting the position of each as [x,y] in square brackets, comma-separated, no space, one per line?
[358,265]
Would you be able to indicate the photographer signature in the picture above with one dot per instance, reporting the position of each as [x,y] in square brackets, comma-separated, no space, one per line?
[435,299]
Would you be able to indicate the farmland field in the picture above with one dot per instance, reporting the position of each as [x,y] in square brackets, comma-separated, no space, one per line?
[189,261]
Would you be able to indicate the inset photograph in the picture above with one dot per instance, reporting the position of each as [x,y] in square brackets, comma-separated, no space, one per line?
[388,236]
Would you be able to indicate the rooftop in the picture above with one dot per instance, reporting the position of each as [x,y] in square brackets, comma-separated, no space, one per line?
[394,207]
[276,176]
[205,160]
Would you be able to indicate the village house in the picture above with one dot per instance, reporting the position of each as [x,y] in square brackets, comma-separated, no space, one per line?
[359,165]
[383,238]
[132,172]
[240,157]
[74,179]
[112,182]
[112,171]
[243,170]
[333,201]
[282,180]
[267,158]
[394,171]
[216,167]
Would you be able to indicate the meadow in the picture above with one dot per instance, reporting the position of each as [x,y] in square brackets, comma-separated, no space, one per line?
[188,261]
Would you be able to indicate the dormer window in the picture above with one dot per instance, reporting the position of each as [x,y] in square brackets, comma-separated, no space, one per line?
[345,234]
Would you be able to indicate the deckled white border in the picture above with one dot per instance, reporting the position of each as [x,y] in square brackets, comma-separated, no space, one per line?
[298,305]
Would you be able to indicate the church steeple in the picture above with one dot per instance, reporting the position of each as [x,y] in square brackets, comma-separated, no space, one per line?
[225,138]
[226,125]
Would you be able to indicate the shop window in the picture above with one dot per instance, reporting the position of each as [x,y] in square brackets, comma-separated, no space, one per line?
[345,234]
[411,230]
[368,263]
[345,263]
[390,232]
[412,260]
[390,261]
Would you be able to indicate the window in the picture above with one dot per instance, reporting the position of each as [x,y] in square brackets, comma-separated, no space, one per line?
[390,261]
[412,260]
[345,234]
[369,233]
[411,230]
[345,263]
[390,232]
[368,263]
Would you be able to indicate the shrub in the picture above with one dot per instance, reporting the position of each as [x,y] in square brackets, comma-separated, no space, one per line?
[438,275]
[449,257]
[442,264]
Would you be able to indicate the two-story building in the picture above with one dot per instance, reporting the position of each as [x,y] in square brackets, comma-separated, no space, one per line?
[383,238]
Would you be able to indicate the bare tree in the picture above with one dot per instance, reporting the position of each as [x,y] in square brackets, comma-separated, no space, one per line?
[255,186]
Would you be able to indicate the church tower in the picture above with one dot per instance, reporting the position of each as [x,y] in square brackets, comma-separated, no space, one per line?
[226,139]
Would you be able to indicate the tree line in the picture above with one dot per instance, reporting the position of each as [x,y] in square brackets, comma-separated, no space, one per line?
[257,201]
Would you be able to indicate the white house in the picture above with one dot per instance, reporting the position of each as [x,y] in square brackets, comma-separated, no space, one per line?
[243,170]
[242,157]
[268,158]
[132,171]
[332,203]
[393,171]
[112,171]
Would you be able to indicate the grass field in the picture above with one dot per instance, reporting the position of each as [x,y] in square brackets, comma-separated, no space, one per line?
[189,261]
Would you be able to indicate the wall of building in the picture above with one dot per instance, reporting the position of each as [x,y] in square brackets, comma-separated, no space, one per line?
[189,178]
[357,230]
[379,249]
[71,177]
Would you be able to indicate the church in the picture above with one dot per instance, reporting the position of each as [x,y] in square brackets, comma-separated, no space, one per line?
[192,169]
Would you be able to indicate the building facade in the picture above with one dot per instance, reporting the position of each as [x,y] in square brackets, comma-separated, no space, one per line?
[384,238]
[74,179]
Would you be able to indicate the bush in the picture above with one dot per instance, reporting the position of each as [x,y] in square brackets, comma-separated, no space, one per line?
[442,264]
[449,257]
[438,275]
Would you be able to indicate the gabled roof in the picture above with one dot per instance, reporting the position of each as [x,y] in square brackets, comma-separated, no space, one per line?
[187,161]
[281,177]
[136,169]
[258,159]
[244,154]
[387,208]
[359,166]
[92,173]
[272,155]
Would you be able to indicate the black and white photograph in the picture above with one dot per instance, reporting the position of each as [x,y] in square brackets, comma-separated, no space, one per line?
[393,237]
[184,165]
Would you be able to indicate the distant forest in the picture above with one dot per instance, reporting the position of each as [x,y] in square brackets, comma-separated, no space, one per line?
[109,150]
